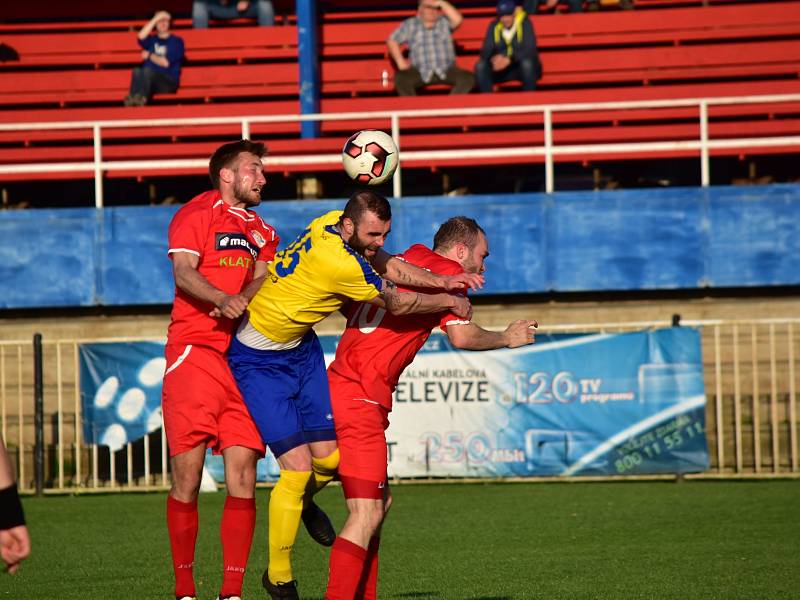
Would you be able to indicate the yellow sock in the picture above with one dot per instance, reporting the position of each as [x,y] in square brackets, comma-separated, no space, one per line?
[285,506]
[323,471]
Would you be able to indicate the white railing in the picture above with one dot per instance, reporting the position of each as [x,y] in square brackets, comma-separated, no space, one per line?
[751,369]
[549,150]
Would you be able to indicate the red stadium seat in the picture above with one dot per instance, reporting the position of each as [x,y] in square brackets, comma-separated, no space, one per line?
[695,52]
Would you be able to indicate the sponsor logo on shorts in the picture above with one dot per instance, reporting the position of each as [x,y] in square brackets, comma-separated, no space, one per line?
[234,241]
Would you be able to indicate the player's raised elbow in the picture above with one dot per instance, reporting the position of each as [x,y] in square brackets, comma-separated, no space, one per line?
[469,336]
[460,338]
[460,343]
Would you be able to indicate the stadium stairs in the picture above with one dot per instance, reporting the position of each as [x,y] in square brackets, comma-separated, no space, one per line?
[713,51]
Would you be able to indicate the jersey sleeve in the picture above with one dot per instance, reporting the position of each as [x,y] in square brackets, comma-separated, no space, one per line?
[357,279]
[448,317]
[267,252]
[187,232]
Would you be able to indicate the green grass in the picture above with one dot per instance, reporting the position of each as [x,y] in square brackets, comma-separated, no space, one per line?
[489,541]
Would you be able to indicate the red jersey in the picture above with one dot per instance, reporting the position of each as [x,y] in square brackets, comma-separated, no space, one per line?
[377,346]
[228,242]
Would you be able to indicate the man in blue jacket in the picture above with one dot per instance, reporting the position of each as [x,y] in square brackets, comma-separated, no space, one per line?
[509,50]
[162,55]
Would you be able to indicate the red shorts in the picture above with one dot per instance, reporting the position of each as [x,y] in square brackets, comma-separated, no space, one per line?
[360,433]
[201,403]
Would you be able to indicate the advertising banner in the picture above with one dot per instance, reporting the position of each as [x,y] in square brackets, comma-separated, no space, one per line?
[120,386]
[120,391]
[598,404]
[588,404]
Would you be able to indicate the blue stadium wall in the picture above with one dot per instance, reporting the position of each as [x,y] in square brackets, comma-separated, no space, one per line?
[663,239]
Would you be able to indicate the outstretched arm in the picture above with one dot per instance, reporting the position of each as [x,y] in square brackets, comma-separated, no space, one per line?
[408,275]
[406,303]
[470,336]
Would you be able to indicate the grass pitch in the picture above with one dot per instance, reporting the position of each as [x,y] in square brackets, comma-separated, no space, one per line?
[493,541]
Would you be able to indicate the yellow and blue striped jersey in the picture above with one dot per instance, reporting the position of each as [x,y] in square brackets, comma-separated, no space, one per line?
[309,280]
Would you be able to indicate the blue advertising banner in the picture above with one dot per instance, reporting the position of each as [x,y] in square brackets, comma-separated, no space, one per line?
[121,399]
[120,391]
[588,404]
[599,404]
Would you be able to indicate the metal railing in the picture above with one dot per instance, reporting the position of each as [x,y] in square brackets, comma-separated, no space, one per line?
[704,145]
[751,370]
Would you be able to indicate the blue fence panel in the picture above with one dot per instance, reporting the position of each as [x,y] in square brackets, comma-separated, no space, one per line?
[754,238]
[514,225]
[679,238]
[135,268]
[48,258]
[629,240]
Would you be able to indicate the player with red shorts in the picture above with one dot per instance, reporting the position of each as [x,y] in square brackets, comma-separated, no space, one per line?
[218,245]
[373,352]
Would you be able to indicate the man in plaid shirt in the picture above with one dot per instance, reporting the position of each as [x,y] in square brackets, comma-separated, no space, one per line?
[432,58]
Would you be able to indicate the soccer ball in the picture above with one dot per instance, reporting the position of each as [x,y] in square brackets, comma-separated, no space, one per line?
[370,156]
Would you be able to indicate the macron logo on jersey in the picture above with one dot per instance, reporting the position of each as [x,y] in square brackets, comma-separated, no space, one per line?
[235,241]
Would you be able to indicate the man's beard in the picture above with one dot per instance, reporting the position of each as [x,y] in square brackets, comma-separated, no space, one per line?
[356,244]
[470,266]
[245,195]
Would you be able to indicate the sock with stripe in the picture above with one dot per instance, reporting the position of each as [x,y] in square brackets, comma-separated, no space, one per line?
[285,506]
[182,527]
[236,533]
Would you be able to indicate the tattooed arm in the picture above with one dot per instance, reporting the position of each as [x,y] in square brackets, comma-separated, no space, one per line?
[406,303]
[408,275]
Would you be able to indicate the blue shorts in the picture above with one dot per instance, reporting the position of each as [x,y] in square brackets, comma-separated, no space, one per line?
[286,392]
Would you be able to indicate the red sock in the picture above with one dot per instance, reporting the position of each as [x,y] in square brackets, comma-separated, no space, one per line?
[368,586]
[344,573]
[236,531]
[182,527]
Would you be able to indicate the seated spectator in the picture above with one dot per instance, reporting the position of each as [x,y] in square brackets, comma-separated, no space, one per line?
[574,5]
[432,57]
[509,50]
[162,54]
[260,10]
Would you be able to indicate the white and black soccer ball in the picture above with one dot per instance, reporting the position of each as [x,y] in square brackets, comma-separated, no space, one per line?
[370,156]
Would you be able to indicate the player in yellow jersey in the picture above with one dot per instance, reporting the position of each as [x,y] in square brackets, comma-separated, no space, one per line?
[278,363]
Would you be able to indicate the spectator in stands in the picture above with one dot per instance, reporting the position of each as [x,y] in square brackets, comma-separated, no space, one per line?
[162,55]
[260,10]
[432,57]
[574,5]
[509,50]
